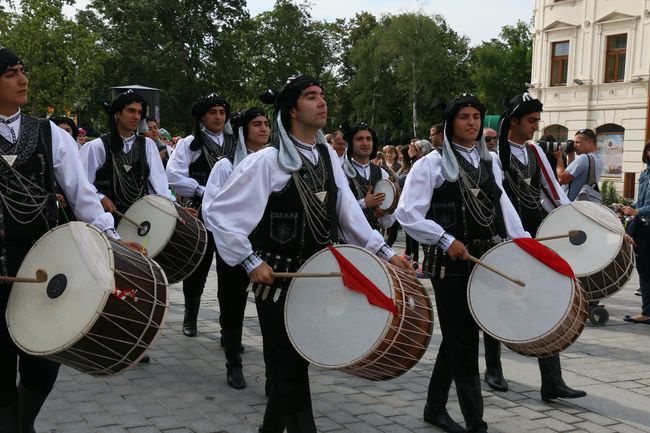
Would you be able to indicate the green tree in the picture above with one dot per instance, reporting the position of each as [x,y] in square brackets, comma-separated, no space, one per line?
[501,67]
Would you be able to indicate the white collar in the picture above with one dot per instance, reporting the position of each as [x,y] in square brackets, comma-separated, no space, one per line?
[358,164]
[516,145]
[465,149]
[10,119]
[214,135]
[302,144]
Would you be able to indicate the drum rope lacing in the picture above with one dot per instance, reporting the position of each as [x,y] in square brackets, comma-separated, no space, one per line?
[314,181]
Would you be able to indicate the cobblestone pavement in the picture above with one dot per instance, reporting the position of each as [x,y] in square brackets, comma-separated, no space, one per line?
[184,388]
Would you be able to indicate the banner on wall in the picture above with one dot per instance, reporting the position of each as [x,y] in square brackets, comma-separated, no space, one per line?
[610,149]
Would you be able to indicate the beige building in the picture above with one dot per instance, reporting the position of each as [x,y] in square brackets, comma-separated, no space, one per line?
[591,69]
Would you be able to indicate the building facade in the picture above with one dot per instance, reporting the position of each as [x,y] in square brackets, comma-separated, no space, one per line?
[591,69]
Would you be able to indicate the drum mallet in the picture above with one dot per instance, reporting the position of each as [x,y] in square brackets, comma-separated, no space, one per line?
[305,274]
[121,215]
[570,234]
[496,271]
[41,277]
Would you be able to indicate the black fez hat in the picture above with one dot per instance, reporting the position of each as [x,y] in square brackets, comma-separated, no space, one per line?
[122,100]
[465,100]
[518,107]
[63,119]
[286,98]
[350,131]
[8,59]
[203,104]
[243,119]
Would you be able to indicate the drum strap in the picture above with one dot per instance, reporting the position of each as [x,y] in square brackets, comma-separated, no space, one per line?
[542,167]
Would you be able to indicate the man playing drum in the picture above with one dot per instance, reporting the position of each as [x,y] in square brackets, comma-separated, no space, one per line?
[534,191]
[188,170]
[362,148]
[36,156]
[453,201]
[253,134]
[291,199]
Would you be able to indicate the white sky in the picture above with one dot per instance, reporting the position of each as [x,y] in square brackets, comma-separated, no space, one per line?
[481,20]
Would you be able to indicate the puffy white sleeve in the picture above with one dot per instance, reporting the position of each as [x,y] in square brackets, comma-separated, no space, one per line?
[178,169]
[93,157]
[546,198]
[157,175]
[218,177]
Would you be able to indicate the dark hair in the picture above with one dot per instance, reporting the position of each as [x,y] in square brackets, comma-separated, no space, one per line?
[547,138]
[439,128]
[406,158]
[644,156]
[150,119]
[587,133]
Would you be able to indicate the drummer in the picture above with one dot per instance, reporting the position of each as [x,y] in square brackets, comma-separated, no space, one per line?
[292,199]
[454,201]
[232,281]
[188,170]
[31,164]
[123,165]
[363,175]
[534,191]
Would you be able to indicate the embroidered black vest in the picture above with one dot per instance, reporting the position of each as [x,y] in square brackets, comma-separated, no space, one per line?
[132,166]
[284,229]
[360,186]
[529,208]
[21,184]
[200,169]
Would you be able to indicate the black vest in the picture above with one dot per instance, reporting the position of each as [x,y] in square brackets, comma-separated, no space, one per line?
[137,175]
[31,175]
[530,209]
[284,229]
[360,186]
[200,169]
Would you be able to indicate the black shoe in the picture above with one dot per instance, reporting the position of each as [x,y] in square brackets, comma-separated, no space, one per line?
[235,377]
[232,347]
[191,314]
[494,378]
[560,390]
[145,360]
[442,420]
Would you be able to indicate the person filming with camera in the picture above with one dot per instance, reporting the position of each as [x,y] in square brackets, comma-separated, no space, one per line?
[576,174]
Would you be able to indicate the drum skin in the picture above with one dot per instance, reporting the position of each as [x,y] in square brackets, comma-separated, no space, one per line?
[335,327]
[539,320]
[89,328]
[176,239]
[392,196]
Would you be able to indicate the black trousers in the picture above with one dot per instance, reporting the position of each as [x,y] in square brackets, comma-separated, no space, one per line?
[458,353]
[642,239]
[288,370]
[36,374]
[194,284]
[232,282]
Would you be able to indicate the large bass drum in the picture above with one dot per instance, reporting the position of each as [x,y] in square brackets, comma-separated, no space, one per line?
[173,238]
[335,327]
[600,257]
[539,320]
[101,308]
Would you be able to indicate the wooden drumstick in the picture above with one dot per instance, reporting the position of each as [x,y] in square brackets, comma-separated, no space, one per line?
[41,277]
[496,271]
[570,234]
[305,274]
[126,218]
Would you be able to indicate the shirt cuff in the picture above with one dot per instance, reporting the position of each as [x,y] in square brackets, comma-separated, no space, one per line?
[385,252]
[251,262]
[199,191]
[445,241]
[362,203]
[111,233]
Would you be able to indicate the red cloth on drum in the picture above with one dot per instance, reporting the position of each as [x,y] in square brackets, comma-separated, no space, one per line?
[353,279]
[545,255]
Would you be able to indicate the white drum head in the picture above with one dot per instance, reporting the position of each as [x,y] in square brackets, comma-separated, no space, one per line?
[601,245]
[512,313]
[156,211]
[386,187]
[40,325]
[329,324]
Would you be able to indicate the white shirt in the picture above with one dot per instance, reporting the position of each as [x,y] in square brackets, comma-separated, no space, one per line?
[178,166]
[239,207]
[364,170]
[414,203]
[217,179]
[70,176]
[93,157]
[545,198]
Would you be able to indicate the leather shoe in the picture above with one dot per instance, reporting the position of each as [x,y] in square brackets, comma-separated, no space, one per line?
[145,360]
[442,420]
[561,391]
[235,377]
[494,378]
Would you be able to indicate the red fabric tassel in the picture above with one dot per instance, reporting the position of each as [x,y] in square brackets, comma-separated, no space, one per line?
[353,279]
[545,255]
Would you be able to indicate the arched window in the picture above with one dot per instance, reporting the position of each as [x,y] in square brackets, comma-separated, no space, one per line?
[610,141]
[558,131]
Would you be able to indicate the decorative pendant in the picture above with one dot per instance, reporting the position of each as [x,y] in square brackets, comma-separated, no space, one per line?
[527,180]
[127,167]
[10,159]
[321,196]
[475,191]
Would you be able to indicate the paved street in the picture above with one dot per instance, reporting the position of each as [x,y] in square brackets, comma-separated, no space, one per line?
[184,387]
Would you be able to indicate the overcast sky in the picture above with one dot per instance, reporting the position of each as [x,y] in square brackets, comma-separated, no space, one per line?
[481,20]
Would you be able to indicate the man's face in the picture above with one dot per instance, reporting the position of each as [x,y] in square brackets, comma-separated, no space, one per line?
[490,138]
[311,108]
[130,116]
[13,87]
[435,137]
[584,144]
[258,130]
[526,126]
[66,128]
[215,119]
[466,125]
[154,131]
[338,143]
[362,144]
